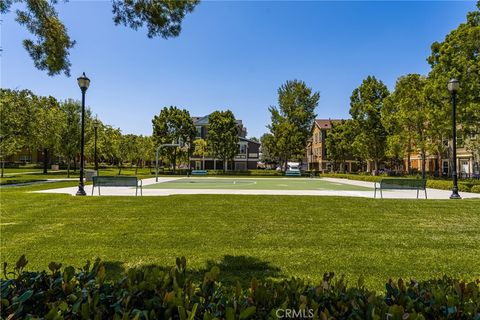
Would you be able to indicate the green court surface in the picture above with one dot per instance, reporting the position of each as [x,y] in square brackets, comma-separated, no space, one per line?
[255,184]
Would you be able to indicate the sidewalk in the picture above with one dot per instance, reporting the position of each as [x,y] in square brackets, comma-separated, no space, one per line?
[396,194]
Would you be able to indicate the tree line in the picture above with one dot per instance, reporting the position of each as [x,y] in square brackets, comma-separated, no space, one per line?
[415,118]
[32,122]
[174,126]
[38,123]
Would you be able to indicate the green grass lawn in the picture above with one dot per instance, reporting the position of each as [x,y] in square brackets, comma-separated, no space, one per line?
[247,236]
[255,183]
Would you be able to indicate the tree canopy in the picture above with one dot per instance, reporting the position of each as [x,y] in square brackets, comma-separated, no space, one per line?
[292,120]
[223,135]
[366,104]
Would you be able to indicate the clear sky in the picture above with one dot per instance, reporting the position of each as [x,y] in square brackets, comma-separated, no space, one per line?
[234,55]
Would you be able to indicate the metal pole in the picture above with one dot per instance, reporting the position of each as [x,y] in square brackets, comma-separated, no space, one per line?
[156,164]
[81,190]
[455,194]
[95,150]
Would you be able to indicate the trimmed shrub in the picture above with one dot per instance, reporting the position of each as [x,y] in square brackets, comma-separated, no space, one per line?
[476,189]
[463,185]
[155,293]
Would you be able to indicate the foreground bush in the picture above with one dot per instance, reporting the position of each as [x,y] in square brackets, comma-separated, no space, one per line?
[153,293]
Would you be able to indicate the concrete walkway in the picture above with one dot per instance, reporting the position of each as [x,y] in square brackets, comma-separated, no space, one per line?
[397,194]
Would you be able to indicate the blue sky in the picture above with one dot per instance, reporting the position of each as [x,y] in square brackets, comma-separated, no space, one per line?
[234,55]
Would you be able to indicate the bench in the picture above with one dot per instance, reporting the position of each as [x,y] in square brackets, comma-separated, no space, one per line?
[117,181]
[295,173]
[199,172]
[401,184]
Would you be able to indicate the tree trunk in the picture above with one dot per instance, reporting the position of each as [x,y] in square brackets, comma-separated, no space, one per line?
[225,164]
[286,164]
[119,167]
[3,167]
[136,167]
[68,168]
[45,161]
[423,163]
[409,166]
[174,159]
[74,164]
[203,162]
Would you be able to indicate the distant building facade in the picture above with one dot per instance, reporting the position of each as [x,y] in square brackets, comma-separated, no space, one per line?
[248,150]
[317,154]
[468,160]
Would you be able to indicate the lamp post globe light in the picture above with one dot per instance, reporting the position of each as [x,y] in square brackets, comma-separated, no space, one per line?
[95,127]
[453,86]
[83,83]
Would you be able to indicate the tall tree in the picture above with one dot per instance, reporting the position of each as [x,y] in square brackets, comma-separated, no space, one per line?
[200,149]
[405,116]
[12,137]
[268,149]
[173,125]
[458,56]
[292,120]
[366,104]
[70,131]
[51,46]
[223,135]
[338,143]
[46,132]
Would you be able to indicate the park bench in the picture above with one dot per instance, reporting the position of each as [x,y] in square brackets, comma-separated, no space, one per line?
[199,172]
[401,184]
[117,181]
[296,173]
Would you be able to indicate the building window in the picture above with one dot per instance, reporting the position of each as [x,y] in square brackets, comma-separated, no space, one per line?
[199,131]
[460,141]
[25,158]
[242,149]
[445,167]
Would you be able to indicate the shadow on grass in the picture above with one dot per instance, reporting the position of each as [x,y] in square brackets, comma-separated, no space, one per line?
[232,269]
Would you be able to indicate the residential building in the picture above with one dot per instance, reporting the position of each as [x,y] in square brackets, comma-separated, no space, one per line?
[317,157]
[468,160]
[246,158]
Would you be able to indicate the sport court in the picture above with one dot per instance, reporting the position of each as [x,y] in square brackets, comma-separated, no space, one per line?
[255,184]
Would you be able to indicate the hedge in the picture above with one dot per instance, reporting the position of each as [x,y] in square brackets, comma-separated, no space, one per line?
[156,293]
[468,185]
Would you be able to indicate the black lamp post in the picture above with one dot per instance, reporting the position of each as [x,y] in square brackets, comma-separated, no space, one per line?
[453,86]
[83,83]
[95,127]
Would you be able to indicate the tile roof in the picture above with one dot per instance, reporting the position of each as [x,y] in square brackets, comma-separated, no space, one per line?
[326,123]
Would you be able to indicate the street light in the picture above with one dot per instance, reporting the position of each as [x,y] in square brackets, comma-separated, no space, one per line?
[83,83]
[453,86]
[96,123]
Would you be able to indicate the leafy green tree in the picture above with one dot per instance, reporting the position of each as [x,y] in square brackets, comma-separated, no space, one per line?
[70,131]
[200,149]
[292,120]
[269,155]
[366,104]
[48,125]
[173,125]
[51,46]
[338,143]
[146,150]
[11,123]
[456,57]
[110,139]
[405,116]
[223,136]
